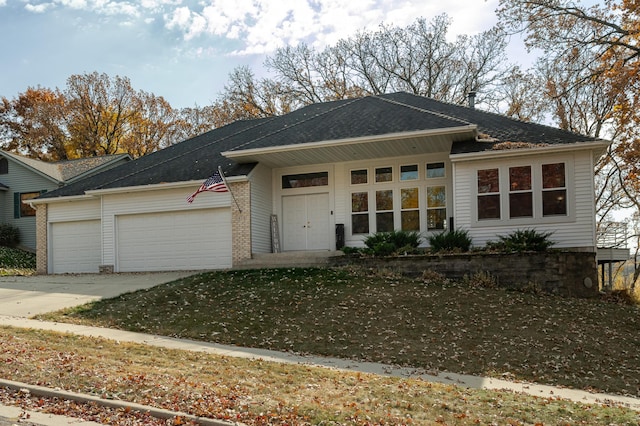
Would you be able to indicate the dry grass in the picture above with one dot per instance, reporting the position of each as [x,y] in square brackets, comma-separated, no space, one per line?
[264,393]
[438,326]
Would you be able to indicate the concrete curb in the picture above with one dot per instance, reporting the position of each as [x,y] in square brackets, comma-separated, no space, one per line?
[112,403]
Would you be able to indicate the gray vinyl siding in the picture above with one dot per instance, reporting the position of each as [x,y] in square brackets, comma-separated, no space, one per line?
[21,179]
[575,231]
[261,209]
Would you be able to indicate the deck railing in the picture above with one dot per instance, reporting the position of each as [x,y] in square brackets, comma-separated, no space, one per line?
[613,235]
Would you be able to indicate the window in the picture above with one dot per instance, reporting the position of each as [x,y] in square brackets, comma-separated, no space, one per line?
[384,211]
[359,177]
[554,190]
[410,212]
[304,180]
[21,209]
[488,194]
[4,166]
[436,207]
[532,192]
[409,172]
[435,170]
[360,212]
[520,192]
[384,174]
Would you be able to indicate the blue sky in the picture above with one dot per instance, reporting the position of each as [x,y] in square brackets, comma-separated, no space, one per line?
[184,50]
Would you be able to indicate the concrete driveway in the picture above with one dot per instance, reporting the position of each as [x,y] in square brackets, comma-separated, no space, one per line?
[29,296]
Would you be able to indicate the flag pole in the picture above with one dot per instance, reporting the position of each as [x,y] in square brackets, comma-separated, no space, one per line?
[224,179]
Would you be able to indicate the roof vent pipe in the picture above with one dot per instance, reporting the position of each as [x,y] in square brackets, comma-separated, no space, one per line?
[472,99]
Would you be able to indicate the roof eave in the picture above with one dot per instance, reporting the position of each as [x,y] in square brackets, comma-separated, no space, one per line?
[16,159]
[159,186]
[36,201]
[598,147]
[256,154]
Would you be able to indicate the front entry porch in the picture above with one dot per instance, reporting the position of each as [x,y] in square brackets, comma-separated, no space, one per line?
[290,259]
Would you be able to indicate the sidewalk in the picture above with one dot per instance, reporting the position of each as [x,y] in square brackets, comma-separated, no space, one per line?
[336,363]
[24,297]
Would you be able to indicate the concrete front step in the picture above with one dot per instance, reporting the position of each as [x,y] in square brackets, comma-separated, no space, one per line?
[293,259]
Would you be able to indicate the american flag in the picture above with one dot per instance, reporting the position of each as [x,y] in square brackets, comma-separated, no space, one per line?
[214,184]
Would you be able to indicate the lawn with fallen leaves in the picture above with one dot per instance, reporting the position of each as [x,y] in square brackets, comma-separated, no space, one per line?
[435,325]
[257,392]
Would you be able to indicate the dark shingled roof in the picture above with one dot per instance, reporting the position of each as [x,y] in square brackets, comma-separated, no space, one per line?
[199,157]
[64,171]
[493,126]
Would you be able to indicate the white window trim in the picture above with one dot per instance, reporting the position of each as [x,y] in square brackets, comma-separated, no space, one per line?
[397,185]
[368,182]
[536,176]
[387,182]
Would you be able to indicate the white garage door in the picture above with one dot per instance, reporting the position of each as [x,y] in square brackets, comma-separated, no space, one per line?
[75,247]
[172,241]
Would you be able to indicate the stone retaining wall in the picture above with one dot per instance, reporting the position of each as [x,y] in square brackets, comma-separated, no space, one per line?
[571,274]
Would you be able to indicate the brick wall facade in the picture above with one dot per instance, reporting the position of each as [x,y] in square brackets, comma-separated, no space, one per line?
[41,239]
[241,221]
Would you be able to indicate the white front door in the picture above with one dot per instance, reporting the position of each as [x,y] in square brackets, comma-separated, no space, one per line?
[305,221]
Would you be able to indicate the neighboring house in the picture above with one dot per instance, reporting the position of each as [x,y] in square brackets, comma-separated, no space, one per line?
[22,179]
[378,163]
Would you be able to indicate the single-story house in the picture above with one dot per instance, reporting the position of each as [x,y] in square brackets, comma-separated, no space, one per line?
[23,178]
[324,175]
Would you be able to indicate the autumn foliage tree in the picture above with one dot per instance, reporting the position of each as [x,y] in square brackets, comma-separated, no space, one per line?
[33,123]
[94,115]
[591,68]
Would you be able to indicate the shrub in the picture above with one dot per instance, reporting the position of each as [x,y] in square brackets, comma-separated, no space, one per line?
[454,241]
[9,235]
[387,243]
[351,250]
[523,240]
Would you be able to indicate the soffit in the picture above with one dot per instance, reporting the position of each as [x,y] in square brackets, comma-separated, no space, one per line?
[355,149]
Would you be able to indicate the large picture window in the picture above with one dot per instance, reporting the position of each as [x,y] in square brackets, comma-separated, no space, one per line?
[408,194]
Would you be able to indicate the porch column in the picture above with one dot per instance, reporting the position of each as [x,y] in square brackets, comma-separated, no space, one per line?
[241,221]
[41,239]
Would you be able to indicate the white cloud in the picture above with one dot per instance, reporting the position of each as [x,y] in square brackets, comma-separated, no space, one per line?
[263,25]
[119,8]
[38,8]
[73,4]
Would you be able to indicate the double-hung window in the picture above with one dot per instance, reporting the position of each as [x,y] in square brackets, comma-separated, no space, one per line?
[520,192]
[488,194]
[554,190]
[535,191]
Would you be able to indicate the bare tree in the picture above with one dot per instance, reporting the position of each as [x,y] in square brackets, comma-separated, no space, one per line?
[418,59]
[591,70]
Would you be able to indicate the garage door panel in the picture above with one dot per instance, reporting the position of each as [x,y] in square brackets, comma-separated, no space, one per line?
[183,240]
[75,247]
